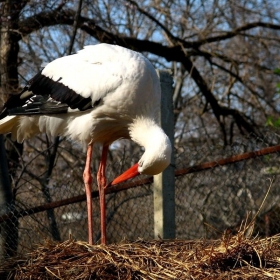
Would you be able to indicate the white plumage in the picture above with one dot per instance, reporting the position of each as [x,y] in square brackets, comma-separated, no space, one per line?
[100,94]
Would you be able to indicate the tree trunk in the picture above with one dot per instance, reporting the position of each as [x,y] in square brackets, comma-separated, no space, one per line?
[9,48]
[8,231]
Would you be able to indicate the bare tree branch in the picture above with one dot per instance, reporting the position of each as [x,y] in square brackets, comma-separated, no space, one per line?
[238,30]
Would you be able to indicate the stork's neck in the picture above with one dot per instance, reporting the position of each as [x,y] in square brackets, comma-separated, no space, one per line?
[148,134]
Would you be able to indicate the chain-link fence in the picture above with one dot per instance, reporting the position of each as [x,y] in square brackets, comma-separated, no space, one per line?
[207,202]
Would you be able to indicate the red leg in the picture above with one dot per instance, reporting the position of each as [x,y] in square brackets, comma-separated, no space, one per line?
[88,183]
[101,180]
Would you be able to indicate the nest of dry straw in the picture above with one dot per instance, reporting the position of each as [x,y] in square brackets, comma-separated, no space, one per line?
[229,258]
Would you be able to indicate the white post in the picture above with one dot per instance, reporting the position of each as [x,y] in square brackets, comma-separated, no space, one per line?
[164,183]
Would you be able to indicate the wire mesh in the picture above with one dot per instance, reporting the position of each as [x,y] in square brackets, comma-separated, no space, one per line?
[208,202]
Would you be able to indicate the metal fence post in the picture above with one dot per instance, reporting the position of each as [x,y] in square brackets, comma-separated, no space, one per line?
[164,183]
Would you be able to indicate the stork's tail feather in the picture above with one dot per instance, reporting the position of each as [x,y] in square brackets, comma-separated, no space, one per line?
[8,124]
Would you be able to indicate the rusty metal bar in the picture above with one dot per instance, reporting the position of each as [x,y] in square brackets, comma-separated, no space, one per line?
[144,181]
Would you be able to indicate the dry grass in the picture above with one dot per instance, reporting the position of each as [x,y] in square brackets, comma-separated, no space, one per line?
[234,257]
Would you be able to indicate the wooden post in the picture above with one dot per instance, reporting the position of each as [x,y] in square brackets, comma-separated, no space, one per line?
[164,183]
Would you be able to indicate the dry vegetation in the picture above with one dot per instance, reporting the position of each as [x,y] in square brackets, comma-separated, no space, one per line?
[232,257]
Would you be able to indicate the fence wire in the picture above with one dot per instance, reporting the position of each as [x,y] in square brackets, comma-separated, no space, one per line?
[208,202]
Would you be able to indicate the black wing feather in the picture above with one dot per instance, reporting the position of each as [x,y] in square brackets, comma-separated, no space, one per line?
[39,104]
[46,97]
[58,91]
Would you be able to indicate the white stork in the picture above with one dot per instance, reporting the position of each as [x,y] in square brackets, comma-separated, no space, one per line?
[101,94]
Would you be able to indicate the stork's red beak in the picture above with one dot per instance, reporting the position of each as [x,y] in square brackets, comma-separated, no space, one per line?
[128,174]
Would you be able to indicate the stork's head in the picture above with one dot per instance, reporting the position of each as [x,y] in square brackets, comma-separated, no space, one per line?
[157,155]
